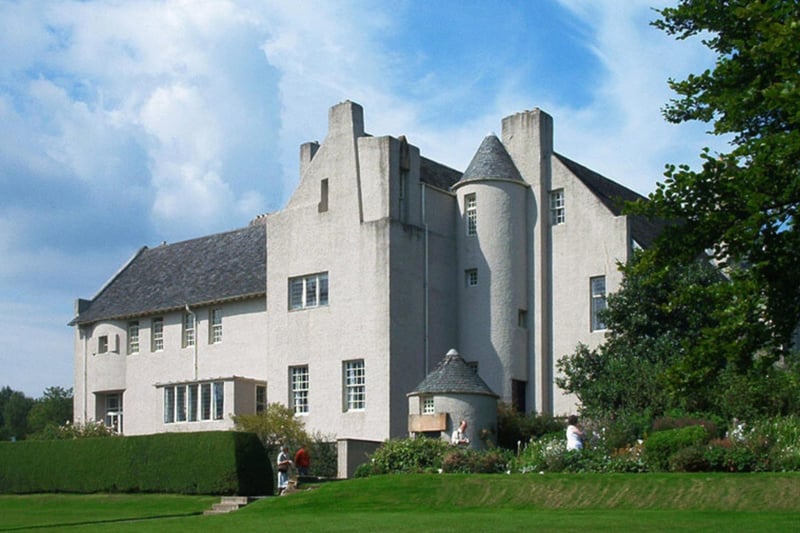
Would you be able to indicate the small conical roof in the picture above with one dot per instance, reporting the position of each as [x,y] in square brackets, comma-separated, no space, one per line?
[453,376]
[491,161]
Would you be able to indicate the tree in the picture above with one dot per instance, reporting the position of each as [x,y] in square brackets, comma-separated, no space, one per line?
[741,206]
[275,426]
[647,365]
[16,407]
[54,408]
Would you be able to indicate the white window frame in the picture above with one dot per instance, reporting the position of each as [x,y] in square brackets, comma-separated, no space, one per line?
[113,416]
[306,292]
[169,405]
[597,296]
[355,385]
[205,401]
[157,334]
[218,400]
[215,325]
[471,214]
[133,337]
[261,398]
[188,330]
[558,214]
[102,344]
[299,386]
[428,406]
[471,277]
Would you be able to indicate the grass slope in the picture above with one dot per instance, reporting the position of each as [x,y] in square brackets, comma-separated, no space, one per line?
[592,502]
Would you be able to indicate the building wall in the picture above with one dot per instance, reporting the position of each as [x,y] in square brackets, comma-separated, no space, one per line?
[349,240]
[136,375]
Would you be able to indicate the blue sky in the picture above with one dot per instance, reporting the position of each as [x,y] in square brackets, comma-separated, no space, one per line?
[124,124]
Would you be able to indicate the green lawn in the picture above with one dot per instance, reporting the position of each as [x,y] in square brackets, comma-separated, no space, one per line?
[591,502]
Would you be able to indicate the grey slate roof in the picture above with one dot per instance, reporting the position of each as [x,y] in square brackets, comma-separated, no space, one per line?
[208,270]
[453,376]
[491,161]
[614,196]
[437,174]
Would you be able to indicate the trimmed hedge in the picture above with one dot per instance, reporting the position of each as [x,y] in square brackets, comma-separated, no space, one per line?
[213,462]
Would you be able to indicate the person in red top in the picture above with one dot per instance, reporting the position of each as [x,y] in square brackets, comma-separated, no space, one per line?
[302,460]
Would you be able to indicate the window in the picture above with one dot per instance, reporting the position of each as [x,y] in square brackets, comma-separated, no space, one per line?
[522,318]
[471,210]
[427,405]
[102,344]
[169,405]
[113,417]
[219,400]
[157,335]
[215,326]
[194,401]
[557,214]
[323,196]
[187,337]
[205,401]
[192,390]
[598,301]
[308,291]
[299,389]
[180,403]
[471,277]
[261,398]
[354,385]
[133,337]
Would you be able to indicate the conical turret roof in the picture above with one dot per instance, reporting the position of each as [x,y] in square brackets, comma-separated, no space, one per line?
[453,376]
[491,161]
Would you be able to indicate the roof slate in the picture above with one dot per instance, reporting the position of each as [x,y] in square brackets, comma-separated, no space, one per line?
[491,161]
[212,269]
[453,376]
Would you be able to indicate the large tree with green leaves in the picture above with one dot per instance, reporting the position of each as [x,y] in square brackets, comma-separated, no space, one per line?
[742,205]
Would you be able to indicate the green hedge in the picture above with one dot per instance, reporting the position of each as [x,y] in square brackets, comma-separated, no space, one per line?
[214,462]
[662,445]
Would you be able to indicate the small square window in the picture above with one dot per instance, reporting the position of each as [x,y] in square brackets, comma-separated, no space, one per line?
[471,277]
[308,291]
[427,405]
[102,344]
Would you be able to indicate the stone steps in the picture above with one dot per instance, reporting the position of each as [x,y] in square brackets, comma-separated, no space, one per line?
[228,504]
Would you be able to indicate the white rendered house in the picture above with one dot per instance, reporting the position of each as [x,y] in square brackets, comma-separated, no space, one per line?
[343,301]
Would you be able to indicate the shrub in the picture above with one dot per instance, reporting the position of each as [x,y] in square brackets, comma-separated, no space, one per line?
[406,456]
[661,445]
[514,427]
[544,454]
[215,462]
[691,459]
[468,461]
[323,456]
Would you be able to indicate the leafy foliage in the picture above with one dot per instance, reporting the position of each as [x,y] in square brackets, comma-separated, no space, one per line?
[515,428]
[742,206]
[54,408]
[275,426]
[662,445]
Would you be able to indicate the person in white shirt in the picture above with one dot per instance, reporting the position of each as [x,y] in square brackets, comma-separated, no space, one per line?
[574,434]
[459,437]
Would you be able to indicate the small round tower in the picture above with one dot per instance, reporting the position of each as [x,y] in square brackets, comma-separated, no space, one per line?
[492,247]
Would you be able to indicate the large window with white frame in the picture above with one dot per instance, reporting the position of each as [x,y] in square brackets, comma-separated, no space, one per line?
[113,412]
[308,291]
[471,213]
[193,402]
[215,325]
[187,333]
[299,387]
[354,385]
[133,337]
[597,288]
[557,210]
[157,334]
